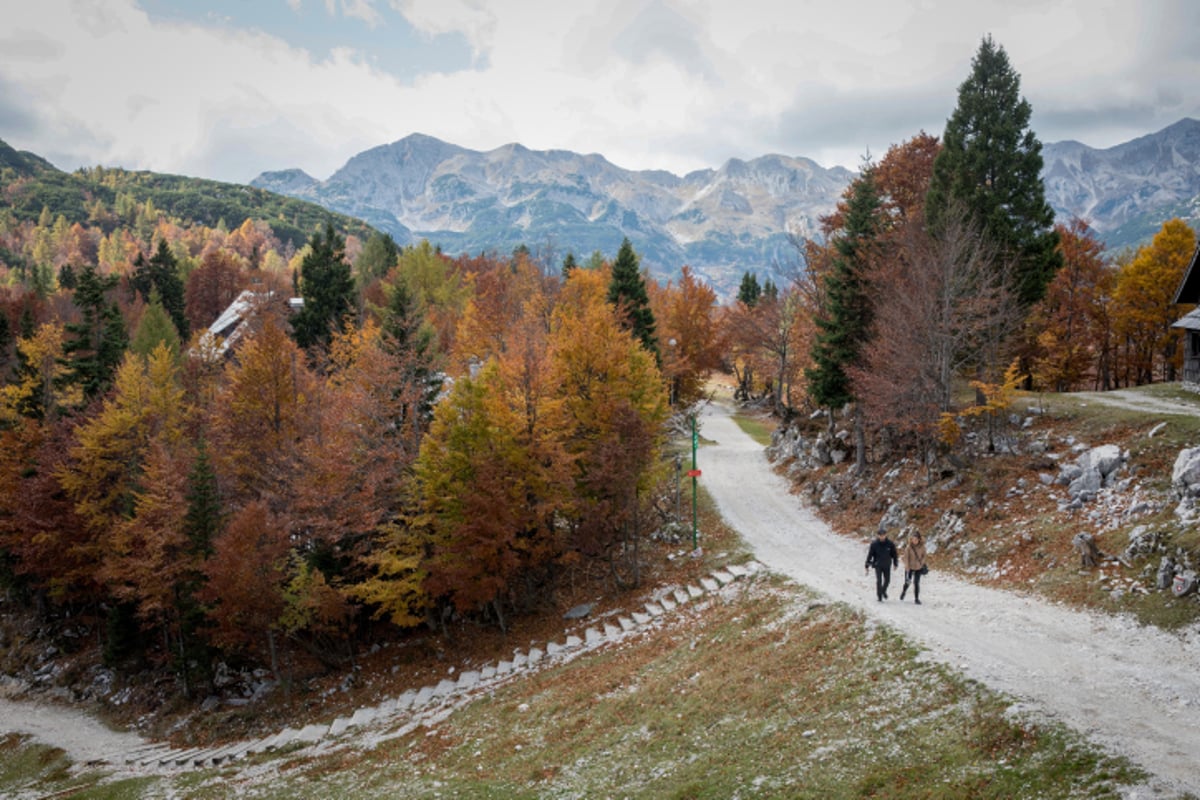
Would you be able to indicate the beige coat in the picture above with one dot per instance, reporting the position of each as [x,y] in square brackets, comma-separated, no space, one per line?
[914,555]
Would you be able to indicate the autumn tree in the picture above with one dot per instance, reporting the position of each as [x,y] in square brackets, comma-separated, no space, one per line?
[990,164]
[1142,304]
[268,403]
[244,583]
[614,400]
[212,287]
[687,313]
[469,475]
[945,305]
[1067,324]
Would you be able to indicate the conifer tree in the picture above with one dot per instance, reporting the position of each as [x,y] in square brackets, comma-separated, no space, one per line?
[569,264]
[96,344]
[161,273]
[327,288]
[844,323]
[749,291]
[627,291]
[990,164]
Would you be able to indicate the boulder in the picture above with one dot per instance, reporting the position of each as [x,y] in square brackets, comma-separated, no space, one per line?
[1185,476]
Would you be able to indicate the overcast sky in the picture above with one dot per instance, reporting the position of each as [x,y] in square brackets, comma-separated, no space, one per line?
[229,88]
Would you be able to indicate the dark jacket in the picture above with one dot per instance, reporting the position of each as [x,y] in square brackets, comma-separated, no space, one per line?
[882,554]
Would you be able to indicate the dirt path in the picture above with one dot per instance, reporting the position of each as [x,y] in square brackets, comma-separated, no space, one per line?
[1131,689]
[81,736]
[1138,401]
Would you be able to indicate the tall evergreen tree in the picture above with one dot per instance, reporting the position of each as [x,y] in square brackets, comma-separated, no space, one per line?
[749,291]
[96,344]
[327,287]
[844,323]
[569,264]
[407,334]
[627,291]
[161,272]
[990,164]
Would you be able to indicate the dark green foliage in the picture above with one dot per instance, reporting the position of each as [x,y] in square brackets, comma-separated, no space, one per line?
[66,277]
[990,164]
[203,520]
[844,324]
[569,264]
[770,290]
[327,288]
[410,337]
[627,291]
[95,345]
[749,291]
[161,272]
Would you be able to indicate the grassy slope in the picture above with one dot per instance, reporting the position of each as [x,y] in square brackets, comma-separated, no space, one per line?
[765,692]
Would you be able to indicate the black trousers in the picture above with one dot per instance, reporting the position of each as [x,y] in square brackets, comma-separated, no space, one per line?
[914,577]
[883,577]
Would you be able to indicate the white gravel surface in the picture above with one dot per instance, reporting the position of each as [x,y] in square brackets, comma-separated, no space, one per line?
[1131,689]
[81,736]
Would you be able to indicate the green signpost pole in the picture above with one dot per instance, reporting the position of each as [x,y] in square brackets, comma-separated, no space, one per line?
[695,472]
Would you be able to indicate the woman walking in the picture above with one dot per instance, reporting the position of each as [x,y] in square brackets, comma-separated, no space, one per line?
[914,565]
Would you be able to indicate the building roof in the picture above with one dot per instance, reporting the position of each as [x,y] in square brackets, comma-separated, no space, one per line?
[1189,287]
[1189,321]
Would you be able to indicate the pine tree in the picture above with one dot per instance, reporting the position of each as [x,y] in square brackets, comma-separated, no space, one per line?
[749,291]
[161,272]
[990,165]
[96,343]
[569,264]
[845,321]
[627,291]
[327,288]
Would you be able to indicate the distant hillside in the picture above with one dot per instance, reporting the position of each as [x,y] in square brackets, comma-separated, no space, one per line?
[721,222]
[29,183]
[1128,191]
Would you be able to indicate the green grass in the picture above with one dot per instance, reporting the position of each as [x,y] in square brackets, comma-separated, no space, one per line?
[757,428]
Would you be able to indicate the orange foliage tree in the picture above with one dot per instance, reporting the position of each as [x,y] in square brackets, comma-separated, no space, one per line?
[1142,308]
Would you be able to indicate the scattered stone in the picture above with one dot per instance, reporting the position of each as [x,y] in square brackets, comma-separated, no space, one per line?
[579,611]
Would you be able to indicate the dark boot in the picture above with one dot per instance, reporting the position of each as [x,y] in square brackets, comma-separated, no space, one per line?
[905,589]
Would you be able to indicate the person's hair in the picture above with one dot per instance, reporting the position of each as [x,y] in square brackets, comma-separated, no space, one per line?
[918,535]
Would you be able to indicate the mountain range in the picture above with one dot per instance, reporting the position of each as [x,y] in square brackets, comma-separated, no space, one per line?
[722,222]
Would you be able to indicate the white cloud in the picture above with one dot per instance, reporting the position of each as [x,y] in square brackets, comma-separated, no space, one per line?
[674,84]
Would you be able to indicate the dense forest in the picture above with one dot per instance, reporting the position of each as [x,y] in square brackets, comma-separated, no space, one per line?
[382,438]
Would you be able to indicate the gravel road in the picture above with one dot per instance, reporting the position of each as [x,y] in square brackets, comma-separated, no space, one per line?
[1131,689]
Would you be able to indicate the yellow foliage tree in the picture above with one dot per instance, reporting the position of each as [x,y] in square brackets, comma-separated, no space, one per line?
[1142,307]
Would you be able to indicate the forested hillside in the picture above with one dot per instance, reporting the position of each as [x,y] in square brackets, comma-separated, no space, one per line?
[106,198]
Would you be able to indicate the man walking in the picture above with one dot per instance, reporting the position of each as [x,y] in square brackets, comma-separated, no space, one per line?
[882,556]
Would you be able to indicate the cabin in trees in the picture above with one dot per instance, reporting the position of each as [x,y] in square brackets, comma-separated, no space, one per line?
[235,321]
[1189,293]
